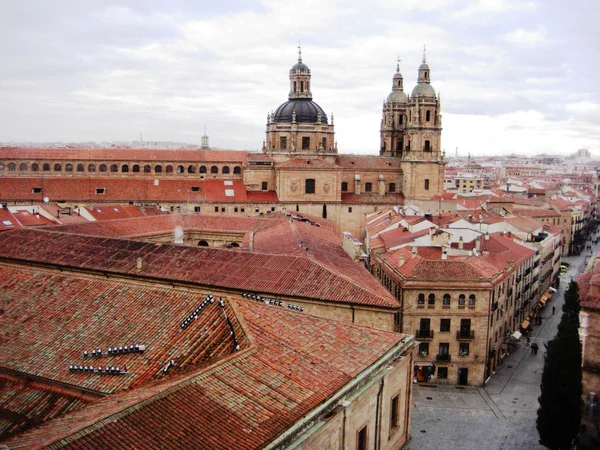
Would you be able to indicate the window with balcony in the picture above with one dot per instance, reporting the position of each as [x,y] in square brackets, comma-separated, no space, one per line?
[444,325]
[463,349]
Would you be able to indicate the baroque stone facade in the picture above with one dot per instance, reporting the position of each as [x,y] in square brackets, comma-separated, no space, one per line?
[299,168]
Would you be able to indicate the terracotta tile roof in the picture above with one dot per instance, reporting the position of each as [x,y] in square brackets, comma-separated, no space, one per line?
[429,265]
[53,209]
[166,223]
[534,212]
[209,267]
[400,236]
[110,212]
[123,189]
[262,197]
[588,300]
[8,221]
[368,162]
[525,223]
[50,318]
[124,154]
[297,362]
[25,405]
[30,220]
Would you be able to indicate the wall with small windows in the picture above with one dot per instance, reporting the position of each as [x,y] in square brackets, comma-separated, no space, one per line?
[386,395]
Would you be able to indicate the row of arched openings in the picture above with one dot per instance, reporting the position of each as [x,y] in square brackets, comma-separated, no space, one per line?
[125,168]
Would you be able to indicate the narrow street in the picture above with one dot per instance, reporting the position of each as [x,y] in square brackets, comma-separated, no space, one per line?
[501,415]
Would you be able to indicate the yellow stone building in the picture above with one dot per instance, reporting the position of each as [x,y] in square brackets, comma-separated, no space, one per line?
[299,167]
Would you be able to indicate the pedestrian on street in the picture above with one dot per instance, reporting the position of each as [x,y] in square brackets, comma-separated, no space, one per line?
[534,348]
[553,309]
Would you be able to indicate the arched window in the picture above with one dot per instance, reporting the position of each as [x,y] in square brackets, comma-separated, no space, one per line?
[421,299]
[69,168]
[446,300]
[472,300]
[147,168]
[91,168]
[135,168]
[114,168]
[102,168]
[431,299]
[202,169]
[80,168]
[57,167]
[461,300]
[234,245]
[46,167]
[158,168]
[23,167]
[214,169]
[191,169]
[35,167]
[12,167]
[225,169]
[180,169]
[368,187]
[203,244]
[344,186]
[237,170]
[169,169]
[125,168]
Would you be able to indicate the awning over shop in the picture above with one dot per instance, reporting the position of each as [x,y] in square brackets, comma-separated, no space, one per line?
[517,335]
[543,301]
[525,323]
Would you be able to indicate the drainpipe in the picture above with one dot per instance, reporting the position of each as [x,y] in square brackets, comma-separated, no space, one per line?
[378,416]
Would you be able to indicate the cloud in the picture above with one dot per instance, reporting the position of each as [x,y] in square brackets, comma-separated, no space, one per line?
[526,38]
[77,71]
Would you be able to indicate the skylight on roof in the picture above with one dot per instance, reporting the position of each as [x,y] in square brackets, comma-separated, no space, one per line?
[228,183]
[229,192]
[7,223]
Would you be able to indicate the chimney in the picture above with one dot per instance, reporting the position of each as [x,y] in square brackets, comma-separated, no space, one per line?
[478,244]
[138,263]
[414,251]
[251,240]
[461,243]
[401,261]
[509,234]
[444,254]
[487,236]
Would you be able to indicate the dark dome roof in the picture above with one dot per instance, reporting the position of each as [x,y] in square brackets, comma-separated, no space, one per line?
[300,66]
[306,111]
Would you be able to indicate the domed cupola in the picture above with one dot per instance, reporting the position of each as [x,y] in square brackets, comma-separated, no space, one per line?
[300,125]
[397,95]
[423,87]
[300,108]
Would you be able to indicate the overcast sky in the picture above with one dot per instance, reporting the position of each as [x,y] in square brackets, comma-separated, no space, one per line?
[514,75]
